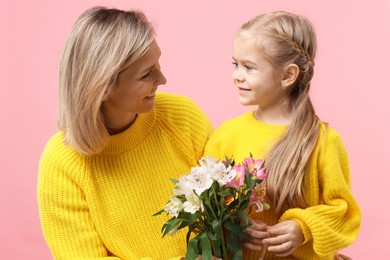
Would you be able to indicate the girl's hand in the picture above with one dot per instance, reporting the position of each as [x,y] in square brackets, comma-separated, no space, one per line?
[212,258]
[286,237]
[258,231]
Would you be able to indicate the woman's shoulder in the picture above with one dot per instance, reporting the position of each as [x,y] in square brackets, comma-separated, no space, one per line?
[176,101]
[58,152]
[178,108]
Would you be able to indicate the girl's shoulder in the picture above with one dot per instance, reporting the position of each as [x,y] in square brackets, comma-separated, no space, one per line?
[236,121]
[329,134]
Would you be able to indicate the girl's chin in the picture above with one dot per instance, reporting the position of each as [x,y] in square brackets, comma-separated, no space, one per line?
[245,102]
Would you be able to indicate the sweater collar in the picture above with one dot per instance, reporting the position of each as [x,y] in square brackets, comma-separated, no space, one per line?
[132,136]
[256,124]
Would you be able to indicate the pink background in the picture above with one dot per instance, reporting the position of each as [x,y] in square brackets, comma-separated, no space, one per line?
[350,90]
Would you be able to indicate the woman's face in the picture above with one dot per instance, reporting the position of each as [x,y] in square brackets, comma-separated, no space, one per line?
[135,90]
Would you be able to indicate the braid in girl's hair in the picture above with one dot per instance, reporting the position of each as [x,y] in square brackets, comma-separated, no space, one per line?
[287,38]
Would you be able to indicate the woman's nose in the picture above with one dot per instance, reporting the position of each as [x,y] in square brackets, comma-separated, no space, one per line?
[161,78]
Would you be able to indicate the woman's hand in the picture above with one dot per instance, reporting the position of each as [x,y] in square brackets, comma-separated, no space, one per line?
[258,231]
[286,236]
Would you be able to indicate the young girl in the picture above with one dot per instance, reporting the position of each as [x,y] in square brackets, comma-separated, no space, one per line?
[313,212]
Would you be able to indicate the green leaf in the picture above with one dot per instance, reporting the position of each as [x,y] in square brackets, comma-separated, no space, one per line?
[217,227]
[205,246]
[243,216]
[171,225]
[234,247]
[158,213]
[216,243]
[236,229]
[173,180]
[192,249]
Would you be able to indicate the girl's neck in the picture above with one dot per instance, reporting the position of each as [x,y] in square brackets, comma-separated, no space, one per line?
[279,114]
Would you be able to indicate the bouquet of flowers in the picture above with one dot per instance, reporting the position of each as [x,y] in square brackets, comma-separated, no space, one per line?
[213,202]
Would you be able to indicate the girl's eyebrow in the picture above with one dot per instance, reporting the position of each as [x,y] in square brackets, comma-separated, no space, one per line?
[246,61]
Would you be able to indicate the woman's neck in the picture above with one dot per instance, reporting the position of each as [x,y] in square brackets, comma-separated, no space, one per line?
[116,125]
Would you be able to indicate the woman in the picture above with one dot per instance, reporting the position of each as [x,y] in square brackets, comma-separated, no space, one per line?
[106,171]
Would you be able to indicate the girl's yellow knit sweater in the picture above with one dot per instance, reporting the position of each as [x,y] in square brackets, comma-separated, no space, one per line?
[101,207]
[332,220]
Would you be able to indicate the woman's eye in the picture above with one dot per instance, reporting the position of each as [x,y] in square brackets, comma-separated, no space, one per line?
[146,75]
[248,67]
[235,64]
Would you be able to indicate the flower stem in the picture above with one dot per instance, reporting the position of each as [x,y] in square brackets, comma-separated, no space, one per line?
[223,243]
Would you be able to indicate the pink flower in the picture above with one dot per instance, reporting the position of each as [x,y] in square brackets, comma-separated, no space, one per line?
[257,197]
[255,167]
[238,181]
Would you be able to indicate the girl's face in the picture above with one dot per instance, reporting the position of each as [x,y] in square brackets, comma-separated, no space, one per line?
[258,81]
[136,87]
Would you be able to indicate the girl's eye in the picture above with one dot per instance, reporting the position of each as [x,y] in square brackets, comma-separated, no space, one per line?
[235,64]
[248,67]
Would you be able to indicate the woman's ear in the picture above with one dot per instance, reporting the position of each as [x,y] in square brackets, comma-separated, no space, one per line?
[290,74]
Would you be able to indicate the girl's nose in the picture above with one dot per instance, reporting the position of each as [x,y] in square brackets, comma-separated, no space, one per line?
[237,76]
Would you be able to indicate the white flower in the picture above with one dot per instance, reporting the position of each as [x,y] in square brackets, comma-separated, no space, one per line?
[207,162]
[182,187]
[193,203]
[199,179]
[222,174]
[174,206]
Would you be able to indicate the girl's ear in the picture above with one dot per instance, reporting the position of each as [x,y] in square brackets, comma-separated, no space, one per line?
[290,74]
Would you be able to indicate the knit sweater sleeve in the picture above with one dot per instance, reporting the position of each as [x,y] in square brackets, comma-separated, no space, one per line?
[65,219]
[334,223]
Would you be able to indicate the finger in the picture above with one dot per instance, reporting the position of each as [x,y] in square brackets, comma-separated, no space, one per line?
[258,234]
[257,224]
[277,229]
[282,248]
[286,253]
[252,246]
[276,240]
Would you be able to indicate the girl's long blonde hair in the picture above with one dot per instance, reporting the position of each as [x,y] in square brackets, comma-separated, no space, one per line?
[101,44]
[289,39]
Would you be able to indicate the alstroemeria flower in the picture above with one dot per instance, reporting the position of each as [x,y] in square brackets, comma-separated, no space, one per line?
[174,206]
[208,162]
[193,203]
[182,187]
[255,168]
[221,174]
[199,179]
[257,196]
[239,179]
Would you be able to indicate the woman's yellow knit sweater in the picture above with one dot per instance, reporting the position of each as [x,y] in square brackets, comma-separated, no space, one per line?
[101,207]
[332,220]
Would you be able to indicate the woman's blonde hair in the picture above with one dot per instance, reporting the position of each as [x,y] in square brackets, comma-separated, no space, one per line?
[101,44]
[289,39]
